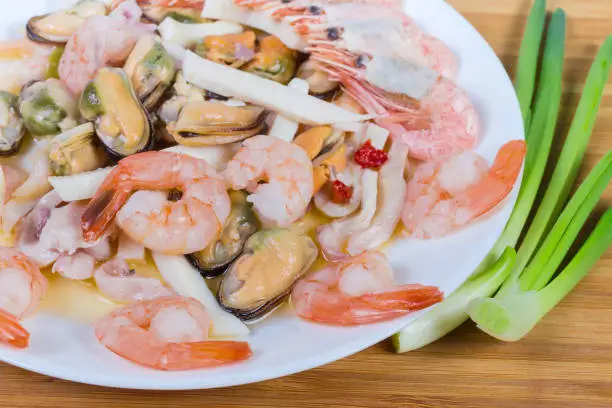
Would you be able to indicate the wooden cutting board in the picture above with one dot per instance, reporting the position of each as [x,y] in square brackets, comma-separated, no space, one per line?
[565,362]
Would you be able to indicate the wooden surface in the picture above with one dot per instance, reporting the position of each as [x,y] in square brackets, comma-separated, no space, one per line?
[565,362]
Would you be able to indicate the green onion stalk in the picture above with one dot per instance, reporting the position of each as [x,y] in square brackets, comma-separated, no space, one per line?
[529,293]
[528,59]
[497,265]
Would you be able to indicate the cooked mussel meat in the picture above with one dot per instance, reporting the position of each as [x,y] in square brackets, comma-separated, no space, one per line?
[234,50]
[263,276]
[150,69]
[76,151]
[122,124]
[213,123]
[11,125]
[47,107]
[325,147]
[240,225]
[320,84]
[57,27]
[156,12]
[273,61]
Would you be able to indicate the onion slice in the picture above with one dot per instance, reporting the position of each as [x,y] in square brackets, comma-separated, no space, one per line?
[285,128]
[80,186]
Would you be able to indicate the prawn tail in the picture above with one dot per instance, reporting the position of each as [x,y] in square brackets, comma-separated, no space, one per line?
[497,184]
[12,332]
[194,355]
[406,297]
[101,211]
[321,307]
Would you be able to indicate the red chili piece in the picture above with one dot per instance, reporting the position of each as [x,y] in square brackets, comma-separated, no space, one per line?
[341,193]
[370,157]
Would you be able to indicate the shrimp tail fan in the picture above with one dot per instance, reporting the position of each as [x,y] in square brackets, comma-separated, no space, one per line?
[181,356]
[406,297]
[102,208]
[11,332]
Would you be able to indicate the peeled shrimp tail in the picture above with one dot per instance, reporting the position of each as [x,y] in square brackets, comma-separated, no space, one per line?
[175,356]
[103,207]
[500,180]
[406,297]
[204,354]
[167,333]
[366,309]
[11,332]
[312,302]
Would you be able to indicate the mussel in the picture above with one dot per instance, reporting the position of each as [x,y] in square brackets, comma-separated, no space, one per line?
[57,27]
[325,147]
[122,124]
[151,70]
[156,13]
[75,151]
[234,50]
[263,276]
[11,125]
[47,107]
[213,123]
[320,85]
[240,225]
[274,61]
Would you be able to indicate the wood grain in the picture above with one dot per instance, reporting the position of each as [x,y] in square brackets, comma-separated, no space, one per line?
[565,362]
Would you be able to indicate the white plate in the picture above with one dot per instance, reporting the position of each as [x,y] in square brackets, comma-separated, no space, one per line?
[284,344]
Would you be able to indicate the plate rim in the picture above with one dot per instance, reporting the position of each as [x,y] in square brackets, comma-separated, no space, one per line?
[286,368]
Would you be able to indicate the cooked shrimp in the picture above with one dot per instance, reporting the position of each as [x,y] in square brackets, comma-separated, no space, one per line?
[22,61]
[168,333]
[117,281]
[449,193]
[22,285]
[358,290]
[392,68]
[369,30]
[101,41]
[287,171]
[443,122]
[183,226]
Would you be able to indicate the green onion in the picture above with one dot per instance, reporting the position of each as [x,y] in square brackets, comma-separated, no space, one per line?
[517,307]
[451,313]
[525,297]
[528,58]
[571,156]
[568,225]
[541,131]
[512,316]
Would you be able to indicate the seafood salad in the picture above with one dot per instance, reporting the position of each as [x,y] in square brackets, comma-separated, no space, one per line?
[200,164]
